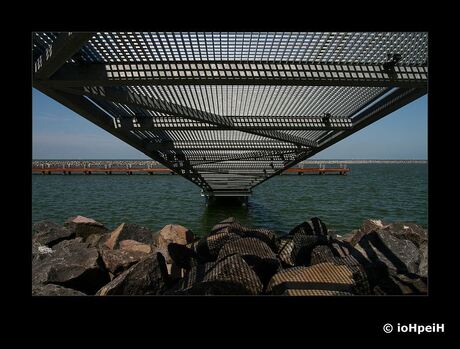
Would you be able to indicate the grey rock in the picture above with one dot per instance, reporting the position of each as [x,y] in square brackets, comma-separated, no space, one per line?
[230,275]
[366,227]
[329,252]
[381,246]
[49,233]
[265,235]
[117,261]
[209,246]
[184,257]
[312,227]
[285,247]
[93,240]
[423,263]
[256,254]
[402,284]
[408,231]
[295,250]
[321,254]
[72,265]
[148,277]
[54,290]
[40,252]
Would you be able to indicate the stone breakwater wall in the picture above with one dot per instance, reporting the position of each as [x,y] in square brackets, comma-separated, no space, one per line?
[82,257]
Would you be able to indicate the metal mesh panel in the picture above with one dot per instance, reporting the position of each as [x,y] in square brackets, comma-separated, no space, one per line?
[229,110]
[278,47]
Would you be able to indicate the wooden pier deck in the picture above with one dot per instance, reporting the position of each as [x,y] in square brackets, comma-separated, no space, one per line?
[151,171]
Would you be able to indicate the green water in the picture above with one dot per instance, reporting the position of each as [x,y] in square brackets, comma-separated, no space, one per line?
[384,191]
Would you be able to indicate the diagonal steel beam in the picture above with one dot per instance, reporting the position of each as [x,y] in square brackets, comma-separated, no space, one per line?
[388,104]
[83,107]
[136,100]
[239,73]
[56,55]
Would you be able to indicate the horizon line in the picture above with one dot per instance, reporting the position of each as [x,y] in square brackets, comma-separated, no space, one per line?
[148,159]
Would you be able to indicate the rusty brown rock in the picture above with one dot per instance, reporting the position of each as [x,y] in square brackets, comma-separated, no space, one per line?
[133,245]
[174,233]
[127,231]
[84,227]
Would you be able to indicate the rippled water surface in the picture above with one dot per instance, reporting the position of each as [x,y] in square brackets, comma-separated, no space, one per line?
[385,191]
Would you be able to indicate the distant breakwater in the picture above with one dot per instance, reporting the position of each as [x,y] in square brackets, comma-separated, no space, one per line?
[379,258]
[155,164]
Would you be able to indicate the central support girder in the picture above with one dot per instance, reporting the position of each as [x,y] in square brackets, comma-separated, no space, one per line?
[243,123]
[233,73]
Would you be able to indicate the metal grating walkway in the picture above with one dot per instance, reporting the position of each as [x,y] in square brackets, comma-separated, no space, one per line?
[228,111]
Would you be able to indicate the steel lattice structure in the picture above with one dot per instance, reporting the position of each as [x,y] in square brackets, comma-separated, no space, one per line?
[228,111]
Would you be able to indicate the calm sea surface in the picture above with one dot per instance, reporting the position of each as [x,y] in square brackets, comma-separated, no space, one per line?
[384,191]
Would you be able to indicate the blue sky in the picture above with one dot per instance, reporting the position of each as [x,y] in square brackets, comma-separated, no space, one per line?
[59,133]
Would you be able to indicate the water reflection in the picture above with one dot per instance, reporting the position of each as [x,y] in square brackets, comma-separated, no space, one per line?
[255,213]
[218,210]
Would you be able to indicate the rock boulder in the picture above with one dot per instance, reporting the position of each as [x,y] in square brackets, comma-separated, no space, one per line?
[127,231]
[256,254]
[54,290]
[324,279]
[49,233]
[312,227]
[148,277]
[402,284]
[367,226]
[408,231]
[228,276]
[184,257]
[423,262]
[132,245]
[72,265]
[174,233]
[381,246]
[40,252]
[209,246]
[117,261]
[84,227]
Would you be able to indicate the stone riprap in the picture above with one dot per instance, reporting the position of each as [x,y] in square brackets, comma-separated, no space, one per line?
[83,257]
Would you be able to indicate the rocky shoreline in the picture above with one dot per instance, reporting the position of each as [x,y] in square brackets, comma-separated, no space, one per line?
[83,257]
